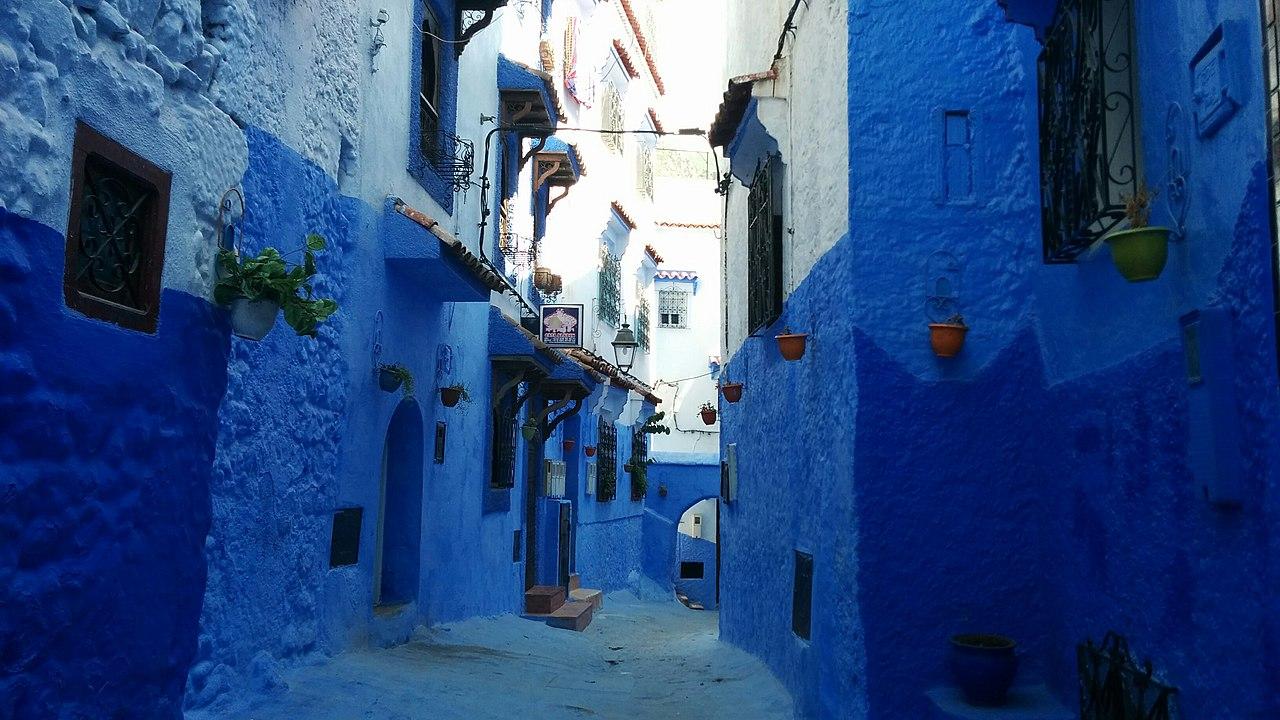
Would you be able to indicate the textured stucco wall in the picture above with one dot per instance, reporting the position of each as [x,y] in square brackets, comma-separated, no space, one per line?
[699,590]
[687,479]
[1040,485]
[104,475]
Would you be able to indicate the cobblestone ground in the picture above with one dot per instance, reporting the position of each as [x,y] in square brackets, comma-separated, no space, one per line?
[637,660]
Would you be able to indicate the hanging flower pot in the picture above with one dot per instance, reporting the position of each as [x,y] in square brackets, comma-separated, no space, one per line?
[391,377]
[542,277]
[984,667]
[530,429]
[947,338]
[791,345]
[569,445]
[590,450]
[451,395]
[253,319]
[708,413]
[1140,254]
[731,391]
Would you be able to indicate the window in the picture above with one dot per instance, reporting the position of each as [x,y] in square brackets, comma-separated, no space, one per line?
[639,454]
[429,90]
[607,464]
[642,324]
[344,543]
[611,118]
[610,287]
[690,570]
[503,457]
[115,233]
[691,164]
[764,249]
[644,170]
[1271,55]
[1089,153]
[673,308]
[802,596]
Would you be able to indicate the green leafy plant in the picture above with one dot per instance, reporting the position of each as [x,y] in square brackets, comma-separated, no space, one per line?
[461,389]
[401,373]
[639,463]
[270,277]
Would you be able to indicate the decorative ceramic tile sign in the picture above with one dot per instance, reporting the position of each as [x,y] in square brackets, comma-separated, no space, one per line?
[560,326]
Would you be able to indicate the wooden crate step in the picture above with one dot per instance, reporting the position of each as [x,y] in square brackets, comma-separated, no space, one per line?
[595,597]
[543,599]
[574,615]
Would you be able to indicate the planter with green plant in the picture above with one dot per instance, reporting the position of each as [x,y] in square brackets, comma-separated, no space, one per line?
[640,461]
[451,395]
[1141,251]
[393,377]
[257,288]
[708,413]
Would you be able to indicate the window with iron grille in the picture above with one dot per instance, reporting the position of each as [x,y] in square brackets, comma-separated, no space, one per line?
[1090,159]
[639,456]
[611,118]
[1271,57]
[642,323]
[673,308]
[609,291]
[607,464]
[115,232]
[429,89]
[644,170]
[764,249]
[503,459]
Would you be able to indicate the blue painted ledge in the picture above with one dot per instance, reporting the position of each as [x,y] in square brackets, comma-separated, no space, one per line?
[414,251]
[1033,702]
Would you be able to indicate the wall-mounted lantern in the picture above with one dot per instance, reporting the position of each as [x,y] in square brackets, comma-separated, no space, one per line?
[624,347]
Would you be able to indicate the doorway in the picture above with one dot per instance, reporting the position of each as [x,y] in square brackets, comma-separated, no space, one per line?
[399,553]
[696,573]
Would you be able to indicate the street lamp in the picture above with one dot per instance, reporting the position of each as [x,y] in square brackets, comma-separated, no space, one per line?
[624,346]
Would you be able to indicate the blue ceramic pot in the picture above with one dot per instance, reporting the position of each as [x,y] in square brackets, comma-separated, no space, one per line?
[984,667]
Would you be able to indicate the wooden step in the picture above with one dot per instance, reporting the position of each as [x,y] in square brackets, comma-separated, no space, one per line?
[575,581]
[543,599]
[595,597]
[574,615]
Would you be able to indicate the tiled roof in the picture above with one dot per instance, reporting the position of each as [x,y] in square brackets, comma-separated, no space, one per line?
[657,123]
[621,379]
[628,62]
[477,267]
[622,212]
[644,46]
[653,254]
[734,106]
[676,275]
[695,226]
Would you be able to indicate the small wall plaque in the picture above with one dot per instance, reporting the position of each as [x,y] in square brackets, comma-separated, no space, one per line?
[1215,88]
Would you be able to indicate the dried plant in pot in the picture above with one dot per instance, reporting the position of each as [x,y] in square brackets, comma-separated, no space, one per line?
[708,413]
[394,377]
[451,395]
[791,345]
[947,337]
[1141,251]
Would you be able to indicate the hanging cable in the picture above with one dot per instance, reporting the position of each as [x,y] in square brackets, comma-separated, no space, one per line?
[788,27]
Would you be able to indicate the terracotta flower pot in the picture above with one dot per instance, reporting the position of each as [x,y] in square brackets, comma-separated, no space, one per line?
[590,450]
[542,278]
[1140,255]
[791,345]
[947,338]
[708,417]
[732,391]
[449,396]
[568,445]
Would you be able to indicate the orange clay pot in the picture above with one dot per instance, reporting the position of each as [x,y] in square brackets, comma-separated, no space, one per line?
[947,339]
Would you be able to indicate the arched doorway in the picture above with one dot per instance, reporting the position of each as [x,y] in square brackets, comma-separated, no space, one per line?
[395,579]
[696,574]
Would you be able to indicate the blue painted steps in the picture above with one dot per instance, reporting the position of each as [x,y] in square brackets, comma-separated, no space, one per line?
[1030,702]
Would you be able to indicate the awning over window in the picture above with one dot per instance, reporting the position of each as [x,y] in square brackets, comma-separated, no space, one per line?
[559,163]
[528,97]
[417,245]
[510,342]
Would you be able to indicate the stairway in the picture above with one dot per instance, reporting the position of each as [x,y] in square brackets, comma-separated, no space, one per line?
[549,604]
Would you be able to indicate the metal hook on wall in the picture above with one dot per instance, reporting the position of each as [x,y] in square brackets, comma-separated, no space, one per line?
[227,236]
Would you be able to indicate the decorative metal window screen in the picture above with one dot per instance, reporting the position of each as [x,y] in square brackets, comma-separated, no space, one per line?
[684,164]
[1113,686]
[673,308]
[644,170]
[764,250]
[643,324]
[607,464]
[1090,157]
[503,460]
[1271,57]
[610,287]
[639,454]
[611,118]
[115,232]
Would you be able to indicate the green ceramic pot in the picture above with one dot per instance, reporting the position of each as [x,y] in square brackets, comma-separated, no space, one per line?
[1140,255]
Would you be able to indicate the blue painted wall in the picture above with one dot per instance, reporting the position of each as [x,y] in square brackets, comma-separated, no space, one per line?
[699,590]
[687,478]
[1040,485]
[104,478]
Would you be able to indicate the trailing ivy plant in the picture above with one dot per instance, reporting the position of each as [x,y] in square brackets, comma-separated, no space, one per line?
[638,465]
[270,277]
[402,374]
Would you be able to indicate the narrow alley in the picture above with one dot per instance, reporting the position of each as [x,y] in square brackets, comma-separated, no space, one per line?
[642,660]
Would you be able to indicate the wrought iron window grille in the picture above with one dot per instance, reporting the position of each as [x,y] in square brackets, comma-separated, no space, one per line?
[115,232]
[643,324]
[639,454]
[519,250]
[612,119]
[607,464]
[1271,58]
[644,171]
[1113,686]
[452,157]
[609,288]
[764,249]
[673,308]
[505,425]
[1090,157]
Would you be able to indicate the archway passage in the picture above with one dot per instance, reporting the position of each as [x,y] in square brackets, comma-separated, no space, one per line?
[697,558]
[400,515]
